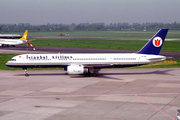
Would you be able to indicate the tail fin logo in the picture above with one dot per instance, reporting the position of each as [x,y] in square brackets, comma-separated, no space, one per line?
[25,36]
[157,41]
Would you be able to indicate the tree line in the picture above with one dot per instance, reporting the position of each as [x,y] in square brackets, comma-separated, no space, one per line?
[87,27]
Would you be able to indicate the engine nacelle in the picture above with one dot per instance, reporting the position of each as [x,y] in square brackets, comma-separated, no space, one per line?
[76,69]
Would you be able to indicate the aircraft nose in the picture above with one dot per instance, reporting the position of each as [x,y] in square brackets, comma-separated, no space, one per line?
[7,63]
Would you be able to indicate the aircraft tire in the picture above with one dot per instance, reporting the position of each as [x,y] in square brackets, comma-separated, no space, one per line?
[26,75]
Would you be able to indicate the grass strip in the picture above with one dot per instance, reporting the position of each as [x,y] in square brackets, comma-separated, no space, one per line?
[169,46]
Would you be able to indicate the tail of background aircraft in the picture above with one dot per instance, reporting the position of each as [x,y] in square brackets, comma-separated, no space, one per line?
[155,44]
[24,37]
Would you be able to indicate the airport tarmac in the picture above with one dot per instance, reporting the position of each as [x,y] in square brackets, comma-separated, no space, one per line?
[115,94]
[90,38]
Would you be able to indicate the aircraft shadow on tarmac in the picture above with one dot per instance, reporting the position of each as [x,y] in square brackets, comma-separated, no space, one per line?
[100,75]
[110,75]
[42,74]
[162,72]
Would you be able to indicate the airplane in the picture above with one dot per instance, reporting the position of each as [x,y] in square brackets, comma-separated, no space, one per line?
[14,39]
[90,63]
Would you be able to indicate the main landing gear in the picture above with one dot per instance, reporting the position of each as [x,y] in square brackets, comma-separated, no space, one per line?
[25,71]
[91,72]
[92,75]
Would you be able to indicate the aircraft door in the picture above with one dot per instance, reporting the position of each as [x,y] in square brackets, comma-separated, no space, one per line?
[22,58]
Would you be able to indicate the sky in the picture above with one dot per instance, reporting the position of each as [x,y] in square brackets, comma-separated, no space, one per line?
[39,12]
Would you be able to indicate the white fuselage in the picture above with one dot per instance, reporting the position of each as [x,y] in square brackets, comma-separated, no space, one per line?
[86,60]
[13,39]
[11,42]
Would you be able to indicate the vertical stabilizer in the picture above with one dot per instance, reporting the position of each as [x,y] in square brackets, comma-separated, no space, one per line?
[155,44]
[24,37]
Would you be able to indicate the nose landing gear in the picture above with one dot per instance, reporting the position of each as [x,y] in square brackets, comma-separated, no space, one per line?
[25,71]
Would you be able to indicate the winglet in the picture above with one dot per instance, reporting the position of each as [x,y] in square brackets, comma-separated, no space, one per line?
[155,44]
[24,37]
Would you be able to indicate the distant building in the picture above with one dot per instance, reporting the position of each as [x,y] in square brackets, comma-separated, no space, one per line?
[27,25]
[20,24]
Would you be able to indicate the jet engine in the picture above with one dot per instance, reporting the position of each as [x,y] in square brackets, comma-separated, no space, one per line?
[76,69]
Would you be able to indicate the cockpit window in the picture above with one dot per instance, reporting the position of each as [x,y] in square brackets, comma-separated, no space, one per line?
[13,60]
